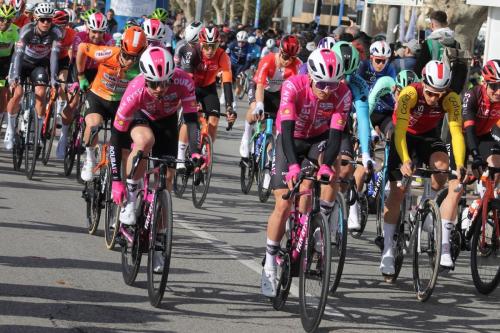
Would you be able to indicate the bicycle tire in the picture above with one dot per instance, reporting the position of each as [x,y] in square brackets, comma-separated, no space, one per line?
[490,247]
[181,179]
[241,84]
[78,157]
[199,193]
[363,216]
[265,167]
[97,201]
[31,147]
[19,144]
[131,256]
[338,228]
[247,173]
[2,118]
[70,152]
[49,134]
[311,315]
[163,210]
[284,271]
[111,216]
[424,287]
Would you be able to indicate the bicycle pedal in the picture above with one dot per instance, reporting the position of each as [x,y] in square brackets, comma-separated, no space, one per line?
[121,241]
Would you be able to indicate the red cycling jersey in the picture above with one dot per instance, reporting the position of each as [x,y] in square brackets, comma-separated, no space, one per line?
[479,111]
[272,77]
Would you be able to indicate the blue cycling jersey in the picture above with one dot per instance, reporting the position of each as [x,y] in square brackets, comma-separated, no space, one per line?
[386,103]
[239,55]
[254,54]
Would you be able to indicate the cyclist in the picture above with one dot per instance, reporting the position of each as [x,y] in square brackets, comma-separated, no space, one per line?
[265,88]
[190,37]
[21,18]
[71,16]
[313,110]
[155,32]
[28,11]
[420,108]
[85,16]
[269,48]
[9,34]
[114,72]
[36,50]
[204,65]
[61,19]
[254,56]
[147,116]
[481,110]
[240,54]
[160,14]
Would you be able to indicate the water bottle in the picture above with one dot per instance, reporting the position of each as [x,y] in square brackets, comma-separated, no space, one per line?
[470,214]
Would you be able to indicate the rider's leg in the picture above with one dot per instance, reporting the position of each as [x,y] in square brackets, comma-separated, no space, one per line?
[213,122]
[247,133]
[182,147]
[40,94]
[12,110]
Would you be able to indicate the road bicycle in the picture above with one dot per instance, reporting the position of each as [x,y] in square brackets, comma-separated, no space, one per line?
[243,81]
[305,252]
[258,164]
[75,145]
[97,192]
[153,229]
[49,127]
[201,176]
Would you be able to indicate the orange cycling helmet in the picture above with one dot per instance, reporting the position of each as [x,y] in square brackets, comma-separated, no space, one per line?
[134,41]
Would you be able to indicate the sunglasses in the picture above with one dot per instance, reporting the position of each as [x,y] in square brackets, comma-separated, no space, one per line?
[326,86]
[126,56]
[494,86]
[157,84]
[45,20]
[431,93]
[210,46]
[5,20]
[286,57]
[380,61]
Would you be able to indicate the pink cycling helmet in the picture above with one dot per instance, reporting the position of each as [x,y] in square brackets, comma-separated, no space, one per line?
[154,29]
[97,22]
[324,65]
[156,64]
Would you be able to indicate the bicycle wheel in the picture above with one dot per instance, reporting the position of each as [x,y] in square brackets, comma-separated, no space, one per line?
[96,200]
[32,140]
[284,269]
[131,255]
[181,179]
[315,273]
[78,157]
[19,143]
[485,254]
[338,238]
[362,215]
[241,85]
[247,172]
[201,185]
[111,216]
[265,166]
[426,249]
[70,153]
[161,240]
[49,134]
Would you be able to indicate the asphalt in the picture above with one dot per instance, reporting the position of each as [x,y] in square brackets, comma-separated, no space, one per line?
[55,277]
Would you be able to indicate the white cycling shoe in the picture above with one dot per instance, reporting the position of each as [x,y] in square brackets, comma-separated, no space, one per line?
[269,282]
[127,214]
[387,263]
[87,170]
[8,141]
[158,262]
[61,148]
[244,148]
[353,221]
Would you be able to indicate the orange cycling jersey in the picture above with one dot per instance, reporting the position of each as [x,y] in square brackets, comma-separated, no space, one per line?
[272,77]
[111,79]
[66,42]
[415,116]
[207,70]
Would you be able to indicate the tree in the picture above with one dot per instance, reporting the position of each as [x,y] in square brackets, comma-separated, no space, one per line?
[246,9]
[187,7]
[219,11]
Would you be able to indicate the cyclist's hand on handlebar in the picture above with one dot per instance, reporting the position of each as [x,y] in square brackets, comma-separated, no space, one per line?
[197,160]
[84,83]
[478,164]
[407,169]
[258,111]
[118,192]
[368,163]
[461,174]
[325,173]
[292,175]
[13,83]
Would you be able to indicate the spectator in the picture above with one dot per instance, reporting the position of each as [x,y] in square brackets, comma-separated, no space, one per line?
[407,60]
[112,24]
[433,48]
[338,32]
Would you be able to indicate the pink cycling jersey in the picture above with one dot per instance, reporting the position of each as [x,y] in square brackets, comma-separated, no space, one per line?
[137,98]
[83,37]
[312,117]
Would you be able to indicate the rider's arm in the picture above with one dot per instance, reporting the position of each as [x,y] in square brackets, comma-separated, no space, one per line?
[190,113]
[359,90]
[227,78]
[469,109]
[337,124]
[453,105]
[54,57]
[260,78]
[17,58]
[384,85]
[406,102]
[287,116]
[97,53]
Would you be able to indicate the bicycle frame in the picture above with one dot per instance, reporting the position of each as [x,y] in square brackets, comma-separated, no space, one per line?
[489,195]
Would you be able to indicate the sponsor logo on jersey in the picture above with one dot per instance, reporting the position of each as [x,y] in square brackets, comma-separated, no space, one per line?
[103,53]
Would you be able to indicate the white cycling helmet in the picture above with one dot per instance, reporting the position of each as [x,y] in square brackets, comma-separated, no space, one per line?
[327,43]
[154,29]
[324,65]
[30,7]
[437,75]
[242,36]
[97,22]
[156,64]
[71,15]
[380,49]
[44,10]
[191,32]
[17,4]
[252,40]
[270,43]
